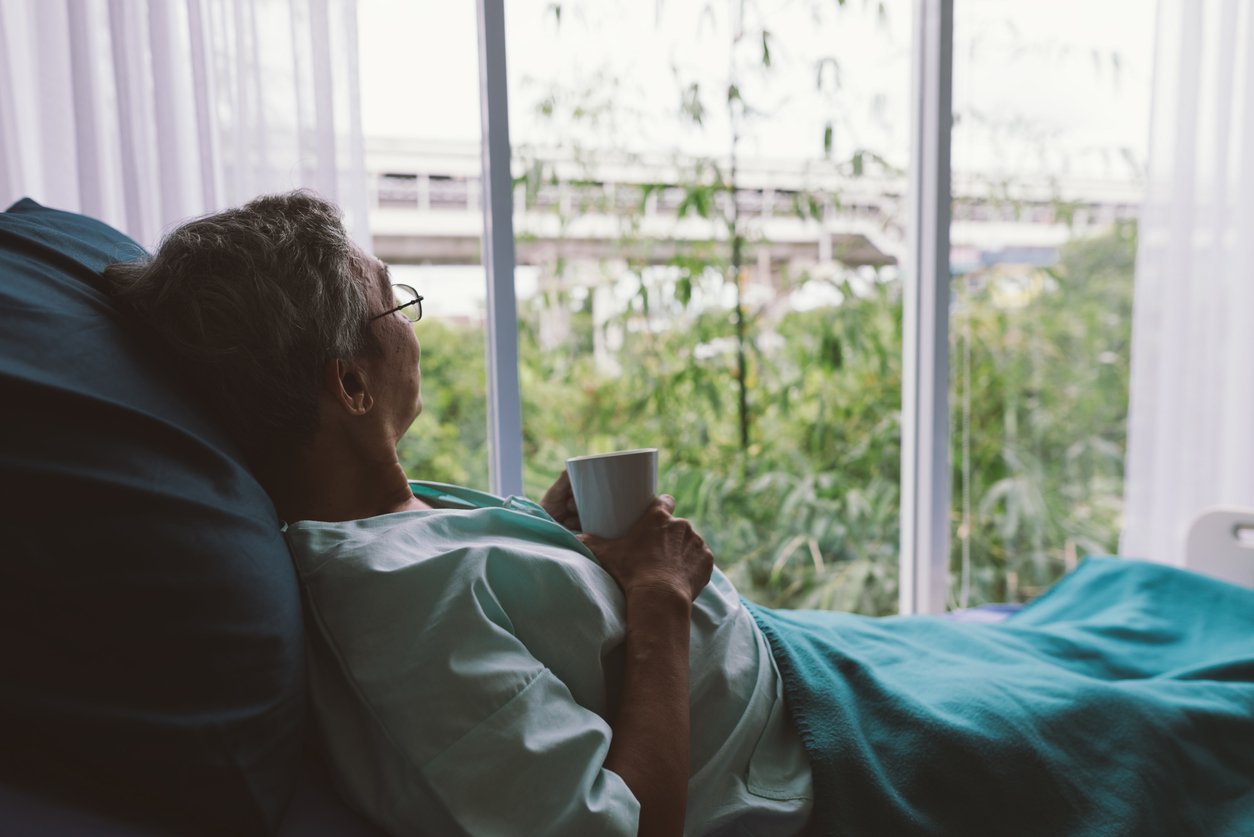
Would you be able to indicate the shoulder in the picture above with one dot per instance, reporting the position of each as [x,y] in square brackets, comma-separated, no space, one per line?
[476,579]
[450,611]
[451,543]
[397,606]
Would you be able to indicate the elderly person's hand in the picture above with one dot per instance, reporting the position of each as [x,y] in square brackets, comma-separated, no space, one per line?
[661,564]
[559,502]
[659,551]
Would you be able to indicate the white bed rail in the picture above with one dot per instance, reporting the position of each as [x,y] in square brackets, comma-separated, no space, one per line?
[1220,543]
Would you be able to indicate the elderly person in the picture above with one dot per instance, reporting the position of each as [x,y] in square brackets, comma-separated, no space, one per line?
[478,668]
[542,690]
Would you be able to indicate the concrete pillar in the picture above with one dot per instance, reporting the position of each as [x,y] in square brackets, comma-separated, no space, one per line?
[424,192]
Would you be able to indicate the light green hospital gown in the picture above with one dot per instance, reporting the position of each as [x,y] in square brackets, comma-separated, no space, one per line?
[464,666]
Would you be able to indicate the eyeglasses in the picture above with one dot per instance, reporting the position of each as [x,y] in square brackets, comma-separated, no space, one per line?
[407,300]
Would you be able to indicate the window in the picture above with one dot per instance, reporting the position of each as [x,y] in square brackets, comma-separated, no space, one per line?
[1051,107]
[713,221]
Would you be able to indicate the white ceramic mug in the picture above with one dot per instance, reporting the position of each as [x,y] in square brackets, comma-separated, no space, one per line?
[612,490]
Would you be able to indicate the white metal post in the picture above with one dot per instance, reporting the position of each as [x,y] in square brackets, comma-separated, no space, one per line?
[925,473]
[504,403]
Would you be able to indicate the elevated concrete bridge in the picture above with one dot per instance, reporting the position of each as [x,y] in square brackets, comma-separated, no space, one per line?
[426,209]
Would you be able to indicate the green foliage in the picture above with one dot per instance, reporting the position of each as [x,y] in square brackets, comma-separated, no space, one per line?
[808,516]
[1042,402]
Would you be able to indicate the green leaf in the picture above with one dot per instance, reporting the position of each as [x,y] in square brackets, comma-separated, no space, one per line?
[647,189]
[766,48]
[827,140]
[683,290]
[820,68]
[831,352]
[702,201]
[690,103]
[696,199]
[815,207]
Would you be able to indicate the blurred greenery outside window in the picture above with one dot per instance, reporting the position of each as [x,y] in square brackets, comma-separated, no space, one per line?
[710,234]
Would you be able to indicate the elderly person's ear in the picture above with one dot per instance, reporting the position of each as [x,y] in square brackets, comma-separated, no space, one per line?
[346,383]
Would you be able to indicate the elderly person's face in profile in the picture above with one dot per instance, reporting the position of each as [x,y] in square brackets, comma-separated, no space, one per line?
[394,368]
[327,381]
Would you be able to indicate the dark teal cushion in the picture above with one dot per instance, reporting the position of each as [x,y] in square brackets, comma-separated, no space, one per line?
[151,643]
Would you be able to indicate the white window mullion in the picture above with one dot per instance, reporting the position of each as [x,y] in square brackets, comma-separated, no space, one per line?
[925,374]
[504,402]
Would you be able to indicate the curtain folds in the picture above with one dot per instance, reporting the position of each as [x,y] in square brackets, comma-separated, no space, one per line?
[1191,412]
[146,112]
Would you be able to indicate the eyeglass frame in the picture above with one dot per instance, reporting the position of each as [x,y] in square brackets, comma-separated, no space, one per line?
[417,300]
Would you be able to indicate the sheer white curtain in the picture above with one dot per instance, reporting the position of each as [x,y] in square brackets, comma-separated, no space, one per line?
[146,112]
[1191,420]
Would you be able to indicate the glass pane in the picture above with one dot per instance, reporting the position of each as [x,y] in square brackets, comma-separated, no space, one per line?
[420,112]
[1051,104]
[709,217]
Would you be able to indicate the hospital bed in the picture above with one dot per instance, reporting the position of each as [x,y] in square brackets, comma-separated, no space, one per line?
[71,380]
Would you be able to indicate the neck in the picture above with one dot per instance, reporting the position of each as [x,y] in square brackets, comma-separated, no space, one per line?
[336,482]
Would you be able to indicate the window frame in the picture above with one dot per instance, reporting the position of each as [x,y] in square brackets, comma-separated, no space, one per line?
[925,466]
[505,464]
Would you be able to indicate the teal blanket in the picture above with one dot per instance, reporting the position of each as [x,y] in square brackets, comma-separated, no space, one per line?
[1119,703]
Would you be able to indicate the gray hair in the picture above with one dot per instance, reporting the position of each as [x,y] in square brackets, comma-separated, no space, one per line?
[254,301]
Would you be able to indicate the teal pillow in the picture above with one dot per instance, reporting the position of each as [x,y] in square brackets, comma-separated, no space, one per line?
[151,638]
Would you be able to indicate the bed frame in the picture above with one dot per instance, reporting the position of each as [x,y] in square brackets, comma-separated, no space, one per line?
[1220,543]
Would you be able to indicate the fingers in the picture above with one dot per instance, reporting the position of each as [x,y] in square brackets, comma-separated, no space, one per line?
[593,542]
[559,502]
[658,514]
[565,495]
[561,490]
